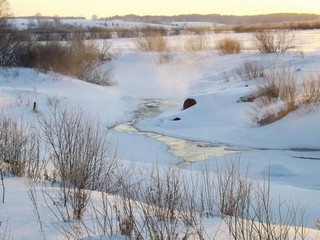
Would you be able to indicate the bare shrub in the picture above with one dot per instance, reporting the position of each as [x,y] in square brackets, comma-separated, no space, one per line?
[5,231]
[103,52]
[207,193]
[250,70]
[279,86]
[318,223]
[274,41]
[160,206]
[80,154]
[151,31]
[152,43]
[105,216]
[225,76]
[166,203]
[50,56]
[84,58]
[164,58]
[53,101]
[248,209]
[228,46]
[311,90]
[9,47]
[20,149]
[284,80]
[5,12]
[262,221]
[99,77]
[197,42]
[159,202]
[126,218]
[279,95]
[234,190]
[32,192]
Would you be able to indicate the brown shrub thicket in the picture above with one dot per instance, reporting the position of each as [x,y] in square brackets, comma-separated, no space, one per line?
[152,42]
[228,46]
[74,58]
[279,26]
[281,88]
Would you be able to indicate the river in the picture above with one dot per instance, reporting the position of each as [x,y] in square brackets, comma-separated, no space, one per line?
[187,151]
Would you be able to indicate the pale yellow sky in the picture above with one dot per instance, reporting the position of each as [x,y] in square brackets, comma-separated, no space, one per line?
[106,8]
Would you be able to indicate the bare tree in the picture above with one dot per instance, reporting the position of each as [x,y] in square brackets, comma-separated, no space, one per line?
[39,18]
[57,21]
[4,36]
[94,17]
[5,12]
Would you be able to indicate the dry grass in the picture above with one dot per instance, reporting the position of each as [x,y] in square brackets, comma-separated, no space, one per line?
[250,70]
[311,90]
[228,46]
[281,94]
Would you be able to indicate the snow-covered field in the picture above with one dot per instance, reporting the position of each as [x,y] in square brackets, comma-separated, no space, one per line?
[24,23]
[287,151]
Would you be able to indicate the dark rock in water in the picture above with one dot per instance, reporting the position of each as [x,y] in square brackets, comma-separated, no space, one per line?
[189,102]
[176,119]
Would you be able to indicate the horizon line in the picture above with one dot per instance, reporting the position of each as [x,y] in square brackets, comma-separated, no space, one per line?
[162,15]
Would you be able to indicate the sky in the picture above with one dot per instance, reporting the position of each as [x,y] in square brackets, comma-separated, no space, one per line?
[107,8]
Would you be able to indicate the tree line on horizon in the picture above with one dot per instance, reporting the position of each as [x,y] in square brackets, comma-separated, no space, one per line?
[223,19]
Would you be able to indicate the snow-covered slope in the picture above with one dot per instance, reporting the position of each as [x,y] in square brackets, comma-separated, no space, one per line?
[218,118]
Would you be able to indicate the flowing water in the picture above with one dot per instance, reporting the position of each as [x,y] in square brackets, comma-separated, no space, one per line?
[187,150]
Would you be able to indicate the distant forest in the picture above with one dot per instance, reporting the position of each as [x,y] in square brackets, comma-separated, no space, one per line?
[224,19]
